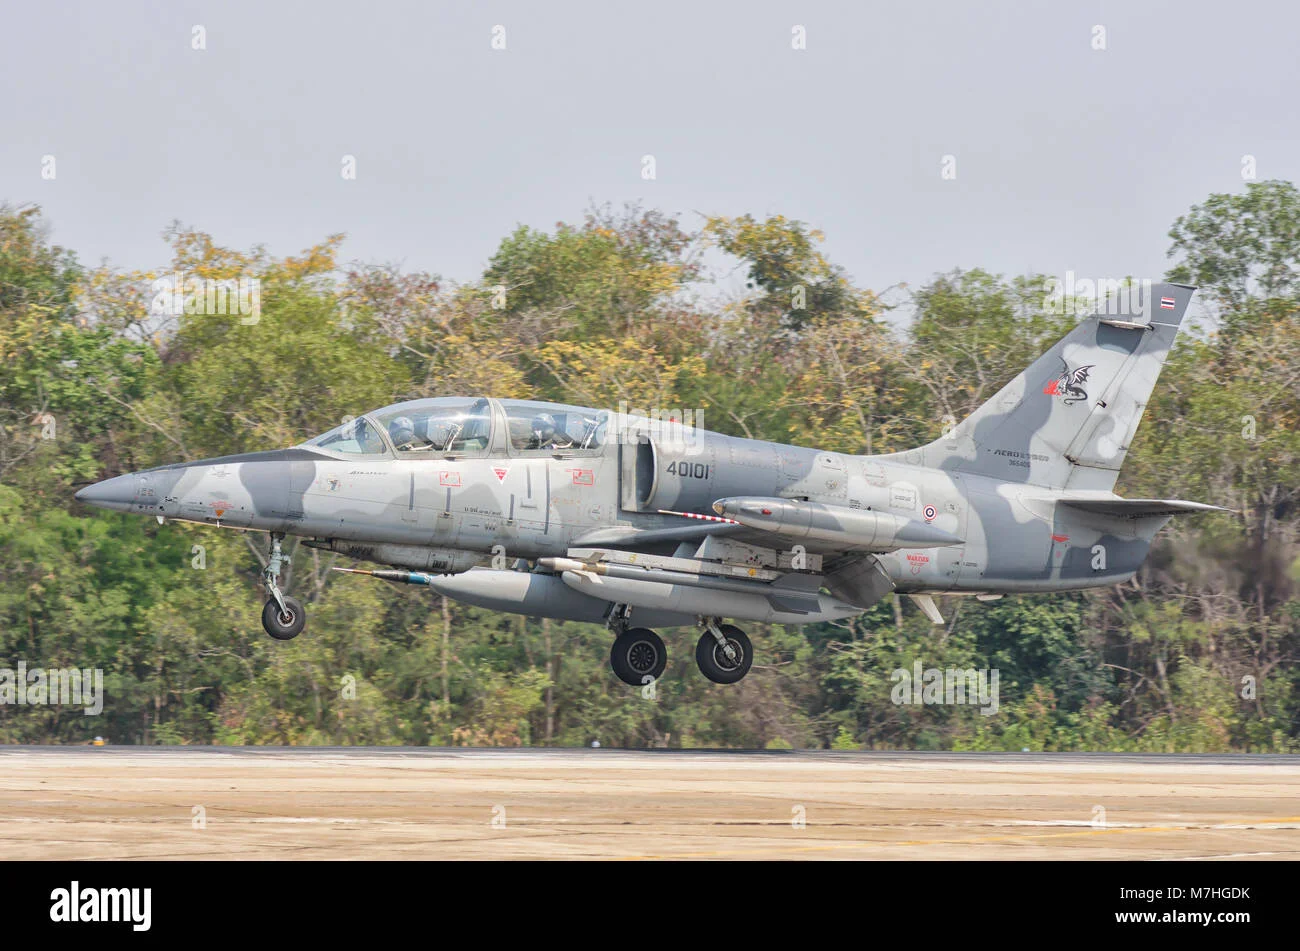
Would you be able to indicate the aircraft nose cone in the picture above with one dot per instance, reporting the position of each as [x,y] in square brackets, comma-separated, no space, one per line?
[116,493]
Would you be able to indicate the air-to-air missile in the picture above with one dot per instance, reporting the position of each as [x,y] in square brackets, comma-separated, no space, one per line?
[400,577]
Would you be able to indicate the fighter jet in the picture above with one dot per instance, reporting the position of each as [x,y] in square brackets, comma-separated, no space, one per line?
[643,520]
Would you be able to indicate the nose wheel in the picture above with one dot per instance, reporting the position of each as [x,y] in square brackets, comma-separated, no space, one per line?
[724,654]
[283,623]
[283,617]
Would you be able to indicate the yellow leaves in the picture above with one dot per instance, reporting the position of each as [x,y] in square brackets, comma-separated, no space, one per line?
[657,279]
[603,373]
[318,259]
[116,298]
[195,252]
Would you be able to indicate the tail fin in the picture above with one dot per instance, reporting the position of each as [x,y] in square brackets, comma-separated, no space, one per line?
[1066,422]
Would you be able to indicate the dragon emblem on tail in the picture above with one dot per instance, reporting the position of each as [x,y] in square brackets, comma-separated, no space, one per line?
[1069,385]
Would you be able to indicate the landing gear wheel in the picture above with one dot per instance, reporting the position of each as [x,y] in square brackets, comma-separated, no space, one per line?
[638,656]
[284,625]
[713,660]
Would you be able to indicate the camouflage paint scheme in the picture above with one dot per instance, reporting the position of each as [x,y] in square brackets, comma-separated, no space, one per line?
[1023,487]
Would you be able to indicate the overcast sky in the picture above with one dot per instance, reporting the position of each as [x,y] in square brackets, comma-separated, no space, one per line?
[1066,157]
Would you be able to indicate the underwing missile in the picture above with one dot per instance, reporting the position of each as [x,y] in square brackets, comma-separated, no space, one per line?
[657,575]
[400,577]
[861,529]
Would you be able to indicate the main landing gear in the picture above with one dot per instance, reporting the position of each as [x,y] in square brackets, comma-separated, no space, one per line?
[638,656]
[283,617]
[723,652]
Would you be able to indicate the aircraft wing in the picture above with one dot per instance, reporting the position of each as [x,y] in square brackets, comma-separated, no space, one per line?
[664,539]
[1138,508]
[768,588]
[782,552]
[780,524]
[624,536]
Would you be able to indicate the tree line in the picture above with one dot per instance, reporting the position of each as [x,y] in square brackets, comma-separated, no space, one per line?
[631,306]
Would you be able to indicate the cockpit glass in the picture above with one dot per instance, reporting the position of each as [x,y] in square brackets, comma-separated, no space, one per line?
[552,427]
[437,426]
[355,437]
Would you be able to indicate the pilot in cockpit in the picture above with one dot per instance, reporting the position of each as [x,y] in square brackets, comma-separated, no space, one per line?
[442,433]
[547,436]
[402,432]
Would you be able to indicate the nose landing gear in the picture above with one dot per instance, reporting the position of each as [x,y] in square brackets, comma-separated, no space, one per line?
[283,617]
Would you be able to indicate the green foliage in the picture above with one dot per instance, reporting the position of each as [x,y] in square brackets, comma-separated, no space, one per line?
[1198,653]
[1244,249]
[793,278]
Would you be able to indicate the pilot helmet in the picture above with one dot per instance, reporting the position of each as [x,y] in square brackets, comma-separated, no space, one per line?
[402,430]
[544,426]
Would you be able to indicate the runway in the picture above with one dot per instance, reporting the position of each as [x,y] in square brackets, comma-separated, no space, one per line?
[401,803]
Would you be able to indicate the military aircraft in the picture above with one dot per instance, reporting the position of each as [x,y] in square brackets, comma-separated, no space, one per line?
[642,520]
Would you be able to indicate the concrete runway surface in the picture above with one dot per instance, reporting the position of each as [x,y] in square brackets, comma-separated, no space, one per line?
[402,803]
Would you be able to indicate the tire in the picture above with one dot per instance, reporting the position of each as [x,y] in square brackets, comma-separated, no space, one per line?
[277,626]
[713,662]
[638,654]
